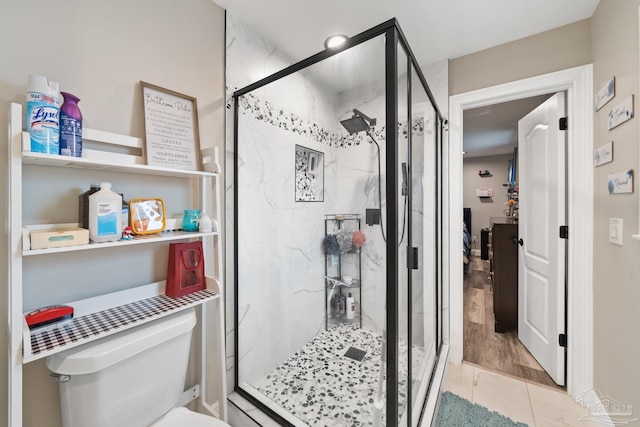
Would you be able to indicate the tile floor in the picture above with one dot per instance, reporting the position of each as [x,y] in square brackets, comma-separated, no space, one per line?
[535,405]
[321,386]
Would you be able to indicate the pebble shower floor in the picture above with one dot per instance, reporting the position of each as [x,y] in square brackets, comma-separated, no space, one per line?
[322,387]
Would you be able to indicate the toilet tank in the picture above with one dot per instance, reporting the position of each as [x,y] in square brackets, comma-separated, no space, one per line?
[129,379]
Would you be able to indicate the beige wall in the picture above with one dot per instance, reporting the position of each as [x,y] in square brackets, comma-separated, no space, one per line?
[554,50]
[100,51]
[617,268]
[609,40]
[484,208]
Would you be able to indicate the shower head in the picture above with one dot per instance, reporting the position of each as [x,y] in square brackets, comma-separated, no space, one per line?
[358,123]
[355,124]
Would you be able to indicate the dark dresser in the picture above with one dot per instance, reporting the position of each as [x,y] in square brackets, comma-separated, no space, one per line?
[504,261]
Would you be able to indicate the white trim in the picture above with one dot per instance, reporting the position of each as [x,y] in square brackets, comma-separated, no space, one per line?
[432,402]
[578,83]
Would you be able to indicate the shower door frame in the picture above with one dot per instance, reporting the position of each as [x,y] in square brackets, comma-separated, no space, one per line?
[394,41]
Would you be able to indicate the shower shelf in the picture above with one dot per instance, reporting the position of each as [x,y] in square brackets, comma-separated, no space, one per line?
[338,281]
[338,266]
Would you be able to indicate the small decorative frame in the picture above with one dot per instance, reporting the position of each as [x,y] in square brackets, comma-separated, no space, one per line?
[147,216]
[484,192]
[309,174]
[605,94]
[621,182]
[603,154]
[621,112]
[170,128]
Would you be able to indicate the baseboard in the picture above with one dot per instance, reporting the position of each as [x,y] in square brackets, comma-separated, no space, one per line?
[429,416]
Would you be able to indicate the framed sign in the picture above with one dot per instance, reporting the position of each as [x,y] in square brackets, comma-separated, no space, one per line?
[170,128]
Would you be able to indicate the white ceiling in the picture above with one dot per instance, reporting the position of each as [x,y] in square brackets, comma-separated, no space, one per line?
[435,30]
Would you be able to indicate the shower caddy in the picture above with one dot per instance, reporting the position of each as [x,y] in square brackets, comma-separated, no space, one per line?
[131,307]
[337,267]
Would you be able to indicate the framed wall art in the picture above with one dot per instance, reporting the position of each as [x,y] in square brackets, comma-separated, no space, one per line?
[170,128]
[605,94]
[621,112]
[620,182]
[603,154]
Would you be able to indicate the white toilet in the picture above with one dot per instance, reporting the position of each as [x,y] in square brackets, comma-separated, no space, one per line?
[131,379]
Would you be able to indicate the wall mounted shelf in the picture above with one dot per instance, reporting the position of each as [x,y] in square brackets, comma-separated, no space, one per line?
[120,305]
[165,236]
[102,316]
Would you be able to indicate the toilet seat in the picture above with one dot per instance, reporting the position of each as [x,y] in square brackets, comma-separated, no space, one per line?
[182,417]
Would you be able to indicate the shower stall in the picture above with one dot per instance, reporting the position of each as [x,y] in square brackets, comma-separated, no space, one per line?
[339,236]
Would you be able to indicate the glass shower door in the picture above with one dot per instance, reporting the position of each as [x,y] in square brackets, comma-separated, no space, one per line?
[423,173]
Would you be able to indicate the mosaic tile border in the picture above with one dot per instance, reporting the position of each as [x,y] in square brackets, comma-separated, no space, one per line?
[89,327]
[267,112]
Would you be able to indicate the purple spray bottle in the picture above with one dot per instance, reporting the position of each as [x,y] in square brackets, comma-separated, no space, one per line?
[70,126]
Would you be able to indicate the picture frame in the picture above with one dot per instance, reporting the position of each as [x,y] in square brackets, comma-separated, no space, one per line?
[147,216]
[620,182]
[605,94]
[309,175]
[172,136]
[621,113]
[603,154]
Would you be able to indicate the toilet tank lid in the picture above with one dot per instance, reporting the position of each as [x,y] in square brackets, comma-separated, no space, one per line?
[100,354]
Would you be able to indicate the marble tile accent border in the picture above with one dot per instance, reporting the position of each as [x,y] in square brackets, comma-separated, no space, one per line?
[267,112]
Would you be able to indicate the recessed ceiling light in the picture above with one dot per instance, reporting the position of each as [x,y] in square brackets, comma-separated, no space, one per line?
[335,41]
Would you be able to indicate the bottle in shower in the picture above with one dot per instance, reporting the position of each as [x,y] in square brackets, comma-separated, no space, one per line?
[333,304]
[342,305]
[351,307]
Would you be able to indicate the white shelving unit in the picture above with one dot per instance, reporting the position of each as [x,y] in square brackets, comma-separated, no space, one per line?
[122,309]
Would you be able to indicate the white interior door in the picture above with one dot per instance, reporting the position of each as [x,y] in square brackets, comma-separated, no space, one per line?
[541,257]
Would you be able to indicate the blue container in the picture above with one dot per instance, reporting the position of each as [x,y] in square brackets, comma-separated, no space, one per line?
[191,220]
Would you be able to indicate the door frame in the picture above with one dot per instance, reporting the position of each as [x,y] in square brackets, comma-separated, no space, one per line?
[578,84]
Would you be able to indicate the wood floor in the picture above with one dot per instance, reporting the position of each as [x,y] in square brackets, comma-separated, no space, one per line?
[501,352]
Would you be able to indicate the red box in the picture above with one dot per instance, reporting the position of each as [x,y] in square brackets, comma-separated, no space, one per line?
[185,273]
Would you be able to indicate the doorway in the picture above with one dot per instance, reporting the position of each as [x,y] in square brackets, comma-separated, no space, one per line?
[577,82]
[500,155]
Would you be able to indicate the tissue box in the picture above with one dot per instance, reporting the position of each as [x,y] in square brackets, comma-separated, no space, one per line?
[57,237]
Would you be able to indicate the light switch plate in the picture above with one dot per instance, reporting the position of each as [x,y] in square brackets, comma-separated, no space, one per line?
[615,231]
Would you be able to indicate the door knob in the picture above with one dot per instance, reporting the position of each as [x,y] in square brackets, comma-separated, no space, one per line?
[518,241]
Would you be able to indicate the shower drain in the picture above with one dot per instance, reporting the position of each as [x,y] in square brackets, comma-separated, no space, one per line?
[355,354]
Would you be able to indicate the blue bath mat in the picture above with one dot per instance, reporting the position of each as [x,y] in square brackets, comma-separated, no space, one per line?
[458,412]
